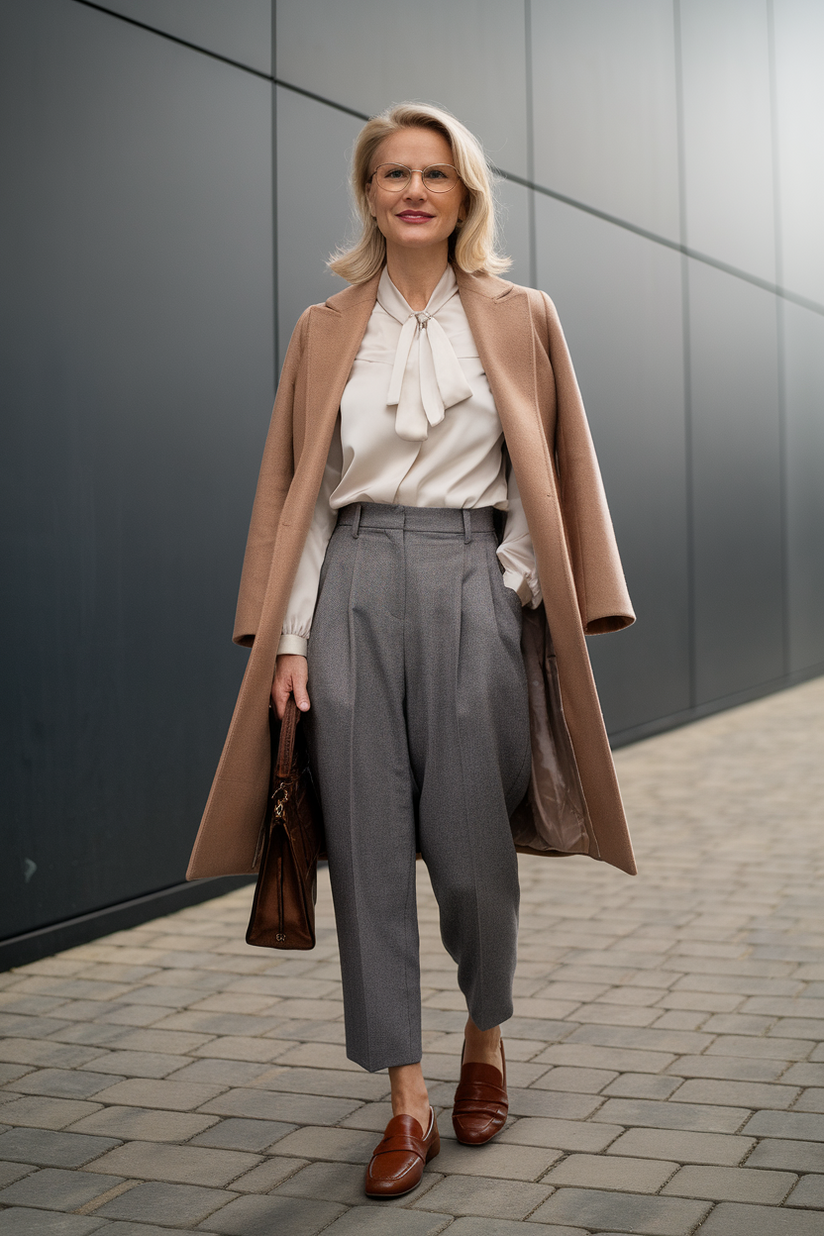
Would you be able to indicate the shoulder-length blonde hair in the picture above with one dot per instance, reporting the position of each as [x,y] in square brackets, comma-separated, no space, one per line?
[473,244]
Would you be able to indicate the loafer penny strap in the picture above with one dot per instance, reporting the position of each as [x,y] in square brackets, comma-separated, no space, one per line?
[398,1143]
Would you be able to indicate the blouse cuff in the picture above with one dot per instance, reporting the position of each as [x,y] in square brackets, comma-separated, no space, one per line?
[292,645]
[517,582]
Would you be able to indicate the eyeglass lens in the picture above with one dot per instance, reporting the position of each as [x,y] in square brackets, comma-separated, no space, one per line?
[394,177]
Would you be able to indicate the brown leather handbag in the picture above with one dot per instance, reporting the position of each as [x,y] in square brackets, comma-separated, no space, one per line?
[291,841]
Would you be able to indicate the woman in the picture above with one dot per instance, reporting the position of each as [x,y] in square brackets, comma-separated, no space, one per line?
[408,524]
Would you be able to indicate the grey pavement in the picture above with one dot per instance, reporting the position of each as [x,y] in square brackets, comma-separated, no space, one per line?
[666,1066]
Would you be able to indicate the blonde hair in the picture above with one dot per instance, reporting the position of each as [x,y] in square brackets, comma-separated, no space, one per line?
[473,244]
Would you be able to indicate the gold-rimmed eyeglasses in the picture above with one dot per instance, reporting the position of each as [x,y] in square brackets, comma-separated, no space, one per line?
[394,177]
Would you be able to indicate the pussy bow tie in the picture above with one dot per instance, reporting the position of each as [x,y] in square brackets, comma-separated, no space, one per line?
[426,375]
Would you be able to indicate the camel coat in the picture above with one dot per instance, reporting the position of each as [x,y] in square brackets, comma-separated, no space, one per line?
[573,804]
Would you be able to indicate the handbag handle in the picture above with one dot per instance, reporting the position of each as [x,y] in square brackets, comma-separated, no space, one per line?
[286,765]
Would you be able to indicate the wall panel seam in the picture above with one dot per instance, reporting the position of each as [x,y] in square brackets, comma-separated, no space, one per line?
[785,293]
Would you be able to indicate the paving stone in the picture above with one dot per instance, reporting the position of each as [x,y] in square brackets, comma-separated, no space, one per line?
[611,1172]
[133,1063]
[240,1047]
[621,1060]
[378,1221]
[217,1023]
[635,1038]
[222,1073]
[150,1092]
[20,1026]
[177,1164]
[269,1174]
[622,1212]
[811,1100]
[495,1160]
[705,1001]
[778,1124]
[46,1113]
[642,1086]
[9,1172]
[239,1134]
[261,1216]
[614,1014]
[804,1075]
[341,1145]
[165,1042]
[584,1081]
[702,1117]
[376,1116]
[732,1068]
[335,1082]
[561,1105]
[36,1052]
[806,1007]
[166,1203]
[292,1108]
[57,1189]
[808,1192]
[798,1027]
[560,1134]
[506,1227]
[47,1148]
[11,1072]
[63,1083]
[20,1221]
[682,1147]
[790,1155]
[732,1184]
[732,1219]
[735,1093]
[763,1048]
[144,1124]
[91,1033]
[469,1195]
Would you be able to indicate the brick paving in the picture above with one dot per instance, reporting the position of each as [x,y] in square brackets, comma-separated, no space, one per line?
[666,1065]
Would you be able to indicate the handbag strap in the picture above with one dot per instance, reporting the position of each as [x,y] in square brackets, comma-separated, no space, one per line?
[286,765]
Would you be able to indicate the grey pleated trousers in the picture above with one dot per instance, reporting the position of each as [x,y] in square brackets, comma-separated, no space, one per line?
[419,736]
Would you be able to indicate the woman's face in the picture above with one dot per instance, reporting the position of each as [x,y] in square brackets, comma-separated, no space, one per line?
[416,217]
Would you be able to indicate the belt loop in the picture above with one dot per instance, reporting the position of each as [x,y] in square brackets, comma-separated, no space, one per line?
[467,523]
[356,520]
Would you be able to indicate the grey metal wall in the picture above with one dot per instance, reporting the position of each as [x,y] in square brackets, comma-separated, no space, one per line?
[139,364]
[663,181]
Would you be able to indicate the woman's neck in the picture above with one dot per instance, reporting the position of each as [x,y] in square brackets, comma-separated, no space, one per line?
[416,274]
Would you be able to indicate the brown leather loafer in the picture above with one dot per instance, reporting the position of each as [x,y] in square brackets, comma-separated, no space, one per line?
[398,1161]
[481,1103]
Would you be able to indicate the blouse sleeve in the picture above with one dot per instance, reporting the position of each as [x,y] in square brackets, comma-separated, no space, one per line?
[515,552]
[297,621]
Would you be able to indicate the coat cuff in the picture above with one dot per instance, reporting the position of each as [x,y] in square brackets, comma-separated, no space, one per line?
[293,645]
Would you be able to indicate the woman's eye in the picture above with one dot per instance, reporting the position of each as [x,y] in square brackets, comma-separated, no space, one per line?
[434,173]
[395,173]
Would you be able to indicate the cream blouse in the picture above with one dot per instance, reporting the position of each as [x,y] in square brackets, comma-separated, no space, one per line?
[417,426]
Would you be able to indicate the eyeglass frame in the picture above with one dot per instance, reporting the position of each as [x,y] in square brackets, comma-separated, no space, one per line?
[412,171]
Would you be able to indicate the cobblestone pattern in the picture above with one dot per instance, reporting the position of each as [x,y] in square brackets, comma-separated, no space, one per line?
[666,1065]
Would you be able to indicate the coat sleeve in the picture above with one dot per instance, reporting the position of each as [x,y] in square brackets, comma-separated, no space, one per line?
[603,598]
[276,472]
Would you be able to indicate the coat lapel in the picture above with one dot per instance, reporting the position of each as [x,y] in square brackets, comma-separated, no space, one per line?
[335,333]
[501,322]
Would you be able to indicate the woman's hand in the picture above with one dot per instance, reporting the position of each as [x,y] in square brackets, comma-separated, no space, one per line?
[291,677]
